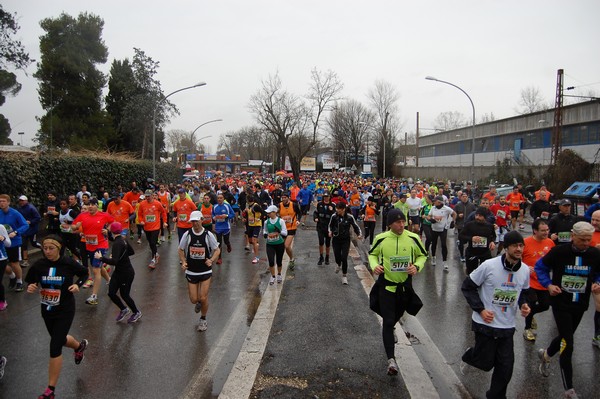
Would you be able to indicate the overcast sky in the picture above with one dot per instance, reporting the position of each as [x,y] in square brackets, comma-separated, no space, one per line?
[491,49]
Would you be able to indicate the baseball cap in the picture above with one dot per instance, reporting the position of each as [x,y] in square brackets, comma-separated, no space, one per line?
[22,198]
[563,201]
[149,192]
[196,216]
[271,208]
[181,190]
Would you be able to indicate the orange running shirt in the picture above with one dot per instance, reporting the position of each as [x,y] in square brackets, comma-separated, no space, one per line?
[533,251]
[150,214]
[120,212]
[183,209]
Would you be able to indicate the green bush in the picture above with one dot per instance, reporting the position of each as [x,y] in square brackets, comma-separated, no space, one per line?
[35,174]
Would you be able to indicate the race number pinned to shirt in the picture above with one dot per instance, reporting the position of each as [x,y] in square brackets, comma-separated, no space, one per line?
[91,239]
[50,296]
[545,215]
[271,237]
[564,236]
[183,217]
[501,214]
[150,218]
[481,243]
[413,212]
[504,297]
[197,252]
[399,263]
[573,284]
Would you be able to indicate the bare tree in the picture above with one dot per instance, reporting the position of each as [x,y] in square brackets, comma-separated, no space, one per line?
[384,97]
[349,127]
[183,141]
[450,120]
[531,100]
[248,142]
[487,118]
[292,121]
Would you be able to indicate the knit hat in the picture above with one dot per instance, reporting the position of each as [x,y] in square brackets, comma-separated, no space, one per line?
[394,215]
[513,237]
[481,211]
[116,228]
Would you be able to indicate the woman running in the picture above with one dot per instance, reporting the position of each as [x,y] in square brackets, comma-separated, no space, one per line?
[123,276]
[275,232]
[339,231]
[52,276]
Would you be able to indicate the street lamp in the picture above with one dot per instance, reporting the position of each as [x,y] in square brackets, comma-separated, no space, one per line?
[382,138]
[154,123]
[21,134]
[205,123]
[473,135]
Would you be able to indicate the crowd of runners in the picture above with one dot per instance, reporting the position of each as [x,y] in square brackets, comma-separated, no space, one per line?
[88,238]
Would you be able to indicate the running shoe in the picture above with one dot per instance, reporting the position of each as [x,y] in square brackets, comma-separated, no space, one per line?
[344,280]
[337,268]
[134,317]
[158,243]
[392,368]
[462,259]
[446,268]
[123,314]
[279,279]
[327,260]
[19,287]
[48,394]
[106,267]
[92,300]
[169,237]
[152,264]
[78,354]
[2,365]
[25,263]
[571,394]
[219,261]
[12,283]
[202,325]
[163,239]
[3,305]
[139,241]
[433,261]
[544,364]
[89,282]
[156,258]
[255,260]
[529,335]
[595,340]
[198,307]
[228,247]
[320,262]
[272,280]
[247,248]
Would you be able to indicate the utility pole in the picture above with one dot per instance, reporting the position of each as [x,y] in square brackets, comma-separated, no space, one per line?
[557,127]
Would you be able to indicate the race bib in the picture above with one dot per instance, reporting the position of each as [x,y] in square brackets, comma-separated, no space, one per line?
[91,239]
[183,217]
[50,296]
[51,208]
[221,218]
[287,219]
[66,229]
[250,220]
[413,212]
[573,284]
[564,236]
[545,215]
[197,252]
[516,204]
[501,214]
[399,263]
[271,237]
[506,297]
[483,243]
[150,218]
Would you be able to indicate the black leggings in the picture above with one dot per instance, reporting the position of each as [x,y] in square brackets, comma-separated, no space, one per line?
[340,252]
[71,243]
[539,301]
[324,238]
[434,239]
[370,231]
[121,282]
[3,264]
[152,237]
[567,322]
[58,327]
[427,231]
[472,262]
[275,251]
[389,302]
[220,238]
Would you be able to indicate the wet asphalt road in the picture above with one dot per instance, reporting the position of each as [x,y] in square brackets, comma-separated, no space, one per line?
[155,358]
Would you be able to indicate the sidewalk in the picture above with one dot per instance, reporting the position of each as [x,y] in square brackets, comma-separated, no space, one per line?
[324,341]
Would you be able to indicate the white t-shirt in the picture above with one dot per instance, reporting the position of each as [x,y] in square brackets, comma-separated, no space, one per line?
[442,216]
[414,205]
[499,291]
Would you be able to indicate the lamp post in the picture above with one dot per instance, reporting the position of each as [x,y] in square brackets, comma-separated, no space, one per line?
[473,133]
[154,123]
[21,134]
[382,138]
[205,123]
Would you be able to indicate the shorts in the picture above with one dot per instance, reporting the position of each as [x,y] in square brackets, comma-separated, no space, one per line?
[415,219]
[96,263]
[291,232]
[253,231]
[197,279]
[304,209]
[13,253]
[514,214]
